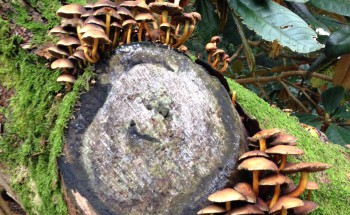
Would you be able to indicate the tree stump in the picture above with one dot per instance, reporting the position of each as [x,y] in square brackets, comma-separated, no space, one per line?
[156,134]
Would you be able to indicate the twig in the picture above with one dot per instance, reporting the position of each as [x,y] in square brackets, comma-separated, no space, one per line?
[292,96]
[237,53]
[281,76]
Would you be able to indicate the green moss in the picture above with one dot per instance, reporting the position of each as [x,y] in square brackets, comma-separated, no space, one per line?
[334,194]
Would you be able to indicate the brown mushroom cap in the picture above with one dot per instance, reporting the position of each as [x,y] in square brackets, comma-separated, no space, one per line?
[70,11]
[89,6]
[305,167]
[264,134]
[158,7]
[129,22]
[287,203]
[211,209]
[147,17]
[183,3]
[210,47]
[87,14]
[80,55]
[108,11]
[105,3]
[72,23]
[273,180]
[89,27]
[89,37]
[284,139]
[226,195]
[247,209]
[62,63]
[254,153]
[94,20]
[125,13]
[57,52]
[257,163]
[247,191]
[311,185]
[66,78]
[285,150]
[262,205]
[140,6]
[307,208]
[68,41]
[215,39]
[58,30]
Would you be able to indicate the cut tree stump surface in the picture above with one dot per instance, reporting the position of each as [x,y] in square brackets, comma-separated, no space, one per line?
[156,134]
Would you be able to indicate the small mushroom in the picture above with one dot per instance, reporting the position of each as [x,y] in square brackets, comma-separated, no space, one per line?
[246,209]
[284,139]
[63,64]
[307,208]
[109,13]
[142,18]
[305,169]
[247,191]
[261,136]
[310,186]
[211,209]
[253,153]
[70,11]
[285,203]
[128,24]
[58,52]
[274,180]
[226,195]
[95,37]
[68,42]
[257,164]
[284,150]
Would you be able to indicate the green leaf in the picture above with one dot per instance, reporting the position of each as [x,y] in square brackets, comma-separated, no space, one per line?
[342,113]
[275,22]
[336,6]
[338,43]
[309,119]
[338,135]
[331,98]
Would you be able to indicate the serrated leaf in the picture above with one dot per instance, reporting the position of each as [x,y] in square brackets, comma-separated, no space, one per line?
[331,98]
[275,22]
[338,43]
[338,135]
[342,72]
[336,6]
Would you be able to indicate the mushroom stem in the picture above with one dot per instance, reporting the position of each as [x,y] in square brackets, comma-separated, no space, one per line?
[284,211]
[283,162]
[167,36]
[228,206]
[275,195]
[94,49]
[164,16]
[233,98]
[184,34]
[224,67]
[308,195]
[262,143]
[115,38]
[70,50]
[88,57]
[108,24]
[140,30]
[128,36]
[216,61]
[256,182]
[304,178]
[209,57]
[79,34]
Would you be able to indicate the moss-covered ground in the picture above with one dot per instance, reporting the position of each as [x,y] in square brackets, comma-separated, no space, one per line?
[36,119]
[334,194]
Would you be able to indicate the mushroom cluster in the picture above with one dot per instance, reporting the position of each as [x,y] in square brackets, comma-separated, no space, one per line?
[217,58]
[268,163]
[90,30]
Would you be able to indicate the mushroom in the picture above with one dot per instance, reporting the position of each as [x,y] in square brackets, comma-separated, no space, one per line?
[310,186]
[128,24]
[142,18]
[109,13]
[226,195]
[58,30]
[285,203]
[94,37]
[58,52]
[196,17]
[307,208]
[261,136]
[217,54]
[284,150]
[105,3]
[211,209]
[253,153]
[116,27]
[70,11]
[274,180]
[210,48]
[168,28]
[188,19]
[247,209]
[136,6]
[63,64]
[257,164]
[247,191]
[226,59]
[95,21]
[305,169]
[74,23]
[284,139]
[166,9]
[66,78]
[69,42]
